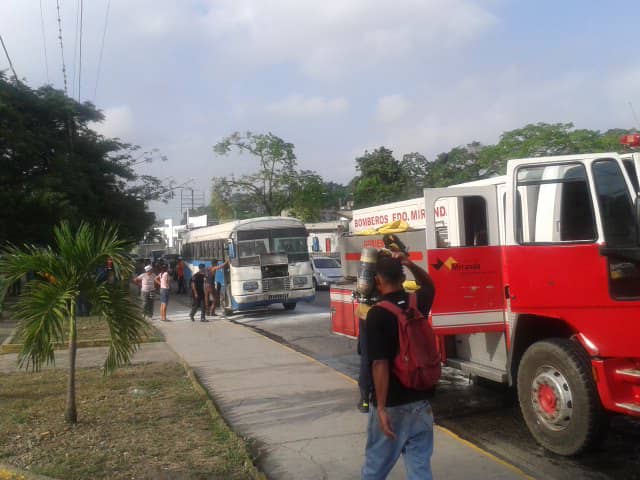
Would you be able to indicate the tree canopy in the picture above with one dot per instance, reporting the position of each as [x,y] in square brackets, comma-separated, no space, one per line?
[381,178]
[54,167]
[277,186]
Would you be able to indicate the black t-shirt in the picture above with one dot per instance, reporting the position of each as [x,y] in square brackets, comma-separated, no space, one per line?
[198,281]
[383,343]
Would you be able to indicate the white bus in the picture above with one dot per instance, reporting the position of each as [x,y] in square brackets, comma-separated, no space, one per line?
[269,261]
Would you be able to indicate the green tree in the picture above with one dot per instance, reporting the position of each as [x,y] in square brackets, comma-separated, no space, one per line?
[308,196]
[65,273]
[458,165]
[380,179]
[269,189]
[54,167]
[543,139]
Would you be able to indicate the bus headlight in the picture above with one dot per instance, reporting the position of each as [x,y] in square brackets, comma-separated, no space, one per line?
[250,286]
[299,282]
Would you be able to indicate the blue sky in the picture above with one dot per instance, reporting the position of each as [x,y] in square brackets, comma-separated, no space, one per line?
[334,77]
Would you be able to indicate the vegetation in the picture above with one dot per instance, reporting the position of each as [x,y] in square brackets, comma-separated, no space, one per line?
[66,274]
[381,178]
[144,421]
[54,167]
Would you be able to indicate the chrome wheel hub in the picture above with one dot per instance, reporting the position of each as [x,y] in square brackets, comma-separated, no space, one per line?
[551,398]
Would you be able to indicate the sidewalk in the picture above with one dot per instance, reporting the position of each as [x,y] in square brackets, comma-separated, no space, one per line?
[299,414]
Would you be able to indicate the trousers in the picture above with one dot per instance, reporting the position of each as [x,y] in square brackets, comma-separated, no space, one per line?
[413,425]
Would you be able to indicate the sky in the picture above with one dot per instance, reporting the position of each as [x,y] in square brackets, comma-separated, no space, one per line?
[335,78]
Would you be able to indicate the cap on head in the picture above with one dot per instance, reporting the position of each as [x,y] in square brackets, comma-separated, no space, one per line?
[148,268]
[201,266]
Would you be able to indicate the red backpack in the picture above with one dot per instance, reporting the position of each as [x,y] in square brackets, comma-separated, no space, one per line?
[417,364]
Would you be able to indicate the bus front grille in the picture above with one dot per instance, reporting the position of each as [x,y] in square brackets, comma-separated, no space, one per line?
[276,284]
[282,297]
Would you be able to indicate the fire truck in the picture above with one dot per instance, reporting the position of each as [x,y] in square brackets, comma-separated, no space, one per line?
[537,286]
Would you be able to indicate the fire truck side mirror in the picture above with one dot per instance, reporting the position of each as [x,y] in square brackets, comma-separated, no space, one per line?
[638,218]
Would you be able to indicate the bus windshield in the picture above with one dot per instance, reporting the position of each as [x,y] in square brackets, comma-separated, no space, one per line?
[289,245]
[288,241]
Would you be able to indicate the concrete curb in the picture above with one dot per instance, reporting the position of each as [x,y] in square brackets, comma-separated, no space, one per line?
[9,472]
[212,409]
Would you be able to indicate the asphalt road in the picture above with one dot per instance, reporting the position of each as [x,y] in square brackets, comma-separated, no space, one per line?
[486,415]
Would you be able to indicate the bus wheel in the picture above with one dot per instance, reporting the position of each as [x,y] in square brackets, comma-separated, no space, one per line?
[289,305]
[558,397]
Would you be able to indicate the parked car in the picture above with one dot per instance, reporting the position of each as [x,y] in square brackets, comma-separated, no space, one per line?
[326,270]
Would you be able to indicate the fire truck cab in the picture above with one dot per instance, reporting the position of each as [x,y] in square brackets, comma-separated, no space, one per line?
[537,286]
[540,289]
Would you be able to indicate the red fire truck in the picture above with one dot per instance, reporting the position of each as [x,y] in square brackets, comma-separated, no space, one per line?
[538,286]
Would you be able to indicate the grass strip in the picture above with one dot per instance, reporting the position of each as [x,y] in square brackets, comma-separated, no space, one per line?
[144,421]
[92,332]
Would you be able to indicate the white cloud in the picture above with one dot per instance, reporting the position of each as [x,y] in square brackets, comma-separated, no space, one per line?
[296,105]
[331,39]
[391,108]
[118,122]
[482,106]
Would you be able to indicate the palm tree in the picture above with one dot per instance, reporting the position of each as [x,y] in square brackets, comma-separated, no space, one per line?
[66,272]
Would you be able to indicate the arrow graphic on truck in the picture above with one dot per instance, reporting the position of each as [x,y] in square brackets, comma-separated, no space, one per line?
[449,263]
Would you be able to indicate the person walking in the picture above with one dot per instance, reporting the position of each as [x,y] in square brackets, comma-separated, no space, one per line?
[400,419]
[213,286]
[162,281]
[147,283]
[197,291]
[180,276]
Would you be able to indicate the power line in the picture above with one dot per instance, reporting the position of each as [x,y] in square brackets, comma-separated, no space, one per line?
[74,65]
[64,69]
[80,57]
[44,42]
[4,47]
[104,35]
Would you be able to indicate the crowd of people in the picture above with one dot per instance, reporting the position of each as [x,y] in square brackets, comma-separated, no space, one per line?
[205,287]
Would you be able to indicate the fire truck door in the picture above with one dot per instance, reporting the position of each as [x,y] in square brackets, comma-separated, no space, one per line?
[631,163]
[464,259]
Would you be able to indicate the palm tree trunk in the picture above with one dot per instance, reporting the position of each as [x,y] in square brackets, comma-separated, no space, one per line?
[71,414]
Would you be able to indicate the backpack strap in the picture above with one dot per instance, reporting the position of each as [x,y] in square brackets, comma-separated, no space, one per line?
[413,301]
[390,307]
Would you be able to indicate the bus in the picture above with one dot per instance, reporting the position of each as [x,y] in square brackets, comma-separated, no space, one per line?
[268,261]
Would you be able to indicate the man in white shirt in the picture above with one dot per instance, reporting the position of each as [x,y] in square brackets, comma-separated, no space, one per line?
[147,283]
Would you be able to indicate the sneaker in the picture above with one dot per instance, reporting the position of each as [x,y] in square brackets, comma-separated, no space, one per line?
[204,320]
[363,406]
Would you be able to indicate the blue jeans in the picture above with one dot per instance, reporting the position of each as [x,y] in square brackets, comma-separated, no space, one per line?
[413,425]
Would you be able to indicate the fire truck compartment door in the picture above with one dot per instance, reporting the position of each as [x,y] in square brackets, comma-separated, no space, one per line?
[464,258]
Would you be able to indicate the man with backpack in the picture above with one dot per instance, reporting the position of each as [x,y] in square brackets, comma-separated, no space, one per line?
[405,366]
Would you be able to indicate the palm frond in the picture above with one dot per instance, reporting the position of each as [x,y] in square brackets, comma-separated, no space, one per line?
[126,326]
[16,262]
[42,310]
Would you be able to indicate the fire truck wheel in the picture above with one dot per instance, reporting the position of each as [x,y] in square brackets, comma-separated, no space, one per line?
[289,305]
[558,397]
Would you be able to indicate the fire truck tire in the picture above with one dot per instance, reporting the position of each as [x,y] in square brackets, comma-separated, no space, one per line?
[289,305]
[558,397]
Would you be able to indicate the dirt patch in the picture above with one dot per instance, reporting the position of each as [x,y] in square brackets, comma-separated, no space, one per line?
[144,421]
